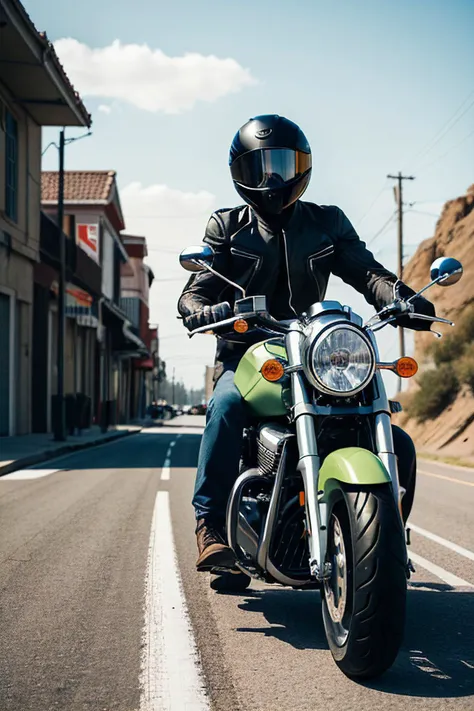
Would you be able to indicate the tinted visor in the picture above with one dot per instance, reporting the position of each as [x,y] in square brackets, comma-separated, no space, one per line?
[270,167]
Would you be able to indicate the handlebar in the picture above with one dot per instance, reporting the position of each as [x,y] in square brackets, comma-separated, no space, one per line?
[399,308]
[387,315]
[259,318]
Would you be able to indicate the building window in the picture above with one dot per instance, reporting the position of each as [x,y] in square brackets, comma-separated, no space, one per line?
[11,167]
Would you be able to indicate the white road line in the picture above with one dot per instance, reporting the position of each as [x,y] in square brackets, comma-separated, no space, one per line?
[173,444]
[23,474]
[446,478]
[166,471]
[442,541]
[170,678]
[197,431]
[440,573]
[456,467]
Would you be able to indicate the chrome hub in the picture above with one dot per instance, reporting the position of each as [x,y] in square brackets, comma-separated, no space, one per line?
[335,588]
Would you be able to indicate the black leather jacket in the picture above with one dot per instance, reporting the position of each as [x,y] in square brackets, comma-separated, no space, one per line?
[317,241]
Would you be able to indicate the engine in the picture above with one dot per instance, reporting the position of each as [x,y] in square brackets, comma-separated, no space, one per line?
[270,441]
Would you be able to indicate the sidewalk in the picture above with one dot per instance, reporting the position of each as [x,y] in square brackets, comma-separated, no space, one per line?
[198,421]
[26,450]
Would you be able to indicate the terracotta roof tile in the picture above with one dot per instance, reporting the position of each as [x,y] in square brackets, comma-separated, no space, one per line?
[79,186]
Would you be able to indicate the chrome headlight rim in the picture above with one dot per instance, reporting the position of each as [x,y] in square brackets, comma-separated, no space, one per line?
[311,373]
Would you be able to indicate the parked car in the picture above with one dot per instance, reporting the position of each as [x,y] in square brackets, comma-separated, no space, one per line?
[199,409]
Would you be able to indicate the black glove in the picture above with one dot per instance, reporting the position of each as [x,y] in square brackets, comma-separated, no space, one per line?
[208,316]
[420,306]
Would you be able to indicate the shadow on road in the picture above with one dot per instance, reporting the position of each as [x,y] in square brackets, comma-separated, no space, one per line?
[146,450]
[436,660]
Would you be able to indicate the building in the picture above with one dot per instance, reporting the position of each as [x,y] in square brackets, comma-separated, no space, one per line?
[137,278]
[83,293]
[100,337]
[34,92]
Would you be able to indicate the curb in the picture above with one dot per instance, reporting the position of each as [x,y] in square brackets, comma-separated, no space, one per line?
[167,423]
[61,451]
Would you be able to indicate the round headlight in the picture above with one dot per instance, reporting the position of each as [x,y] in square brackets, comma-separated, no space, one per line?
[341,361]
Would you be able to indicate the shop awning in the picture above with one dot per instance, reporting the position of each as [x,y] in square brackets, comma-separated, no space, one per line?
[124,340]
[144,364]
[132,338]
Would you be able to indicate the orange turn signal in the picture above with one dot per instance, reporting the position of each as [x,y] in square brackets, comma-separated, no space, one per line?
[406,367]
[241,326]
[302,498]
[272,370]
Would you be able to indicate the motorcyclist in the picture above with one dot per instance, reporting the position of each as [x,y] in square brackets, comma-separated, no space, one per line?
[279,246]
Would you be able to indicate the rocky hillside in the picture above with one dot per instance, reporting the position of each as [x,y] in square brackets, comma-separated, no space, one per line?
[452,432]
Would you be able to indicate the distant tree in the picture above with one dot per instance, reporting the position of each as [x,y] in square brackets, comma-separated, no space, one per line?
[182,395]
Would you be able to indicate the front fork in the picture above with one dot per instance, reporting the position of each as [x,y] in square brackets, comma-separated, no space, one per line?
[309,461]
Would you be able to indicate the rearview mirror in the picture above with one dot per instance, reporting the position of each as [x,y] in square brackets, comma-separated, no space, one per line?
[192,258]
[447,269]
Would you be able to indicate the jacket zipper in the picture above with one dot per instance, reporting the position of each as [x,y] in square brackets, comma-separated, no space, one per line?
[314,258]
[322,253]
[288,272]
[257,262]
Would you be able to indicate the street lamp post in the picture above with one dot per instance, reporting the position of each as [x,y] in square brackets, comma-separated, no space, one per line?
[60,421]
[60,424]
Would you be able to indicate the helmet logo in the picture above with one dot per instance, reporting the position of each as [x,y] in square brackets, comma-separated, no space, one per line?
[264,133]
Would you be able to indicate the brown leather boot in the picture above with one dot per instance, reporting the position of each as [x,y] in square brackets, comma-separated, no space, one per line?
[213,551]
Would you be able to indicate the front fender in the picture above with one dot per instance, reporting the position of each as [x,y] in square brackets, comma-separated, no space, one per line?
[351,465]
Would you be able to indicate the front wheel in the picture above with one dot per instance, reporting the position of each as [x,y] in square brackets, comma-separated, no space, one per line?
[364,600]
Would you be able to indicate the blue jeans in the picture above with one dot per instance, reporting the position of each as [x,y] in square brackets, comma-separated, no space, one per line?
[221,447]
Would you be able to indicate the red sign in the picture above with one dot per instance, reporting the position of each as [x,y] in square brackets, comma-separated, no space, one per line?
[87,237]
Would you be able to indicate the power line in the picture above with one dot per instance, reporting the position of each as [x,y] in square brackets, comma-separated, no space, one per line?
[450,127]
[445,128]
[384,187]
[381,230]
[424,212]
[456,145]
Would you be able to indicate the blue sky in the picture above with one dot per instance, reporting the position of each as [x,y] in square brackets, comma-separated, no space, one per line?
[371,83]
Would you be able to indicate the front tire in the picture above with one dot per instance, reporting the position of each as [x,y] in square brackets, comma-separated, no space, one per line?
[364,601]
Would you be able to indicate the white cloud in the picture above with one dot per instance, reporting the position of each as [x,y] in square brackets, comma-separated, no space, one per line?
[104,108]
[160,201]
[148,78]
[171,220]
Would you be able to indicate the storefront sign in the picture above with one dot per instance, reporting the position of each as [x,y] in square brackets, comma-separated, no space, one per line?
[87,237]
[79,305]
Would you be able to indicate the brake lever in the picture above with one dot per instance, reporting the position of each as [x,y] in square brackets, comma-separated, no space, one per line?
[388,314]
[433,319]
[381,324]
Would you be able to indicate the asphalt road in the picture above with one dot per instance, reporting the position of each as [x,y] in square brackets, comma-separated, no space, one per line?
[95,612]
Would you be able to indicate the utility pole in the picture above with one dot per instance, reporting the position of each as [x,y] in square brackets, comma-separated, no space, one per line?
[60,422]
[60,429]
[399,200]
[174,371]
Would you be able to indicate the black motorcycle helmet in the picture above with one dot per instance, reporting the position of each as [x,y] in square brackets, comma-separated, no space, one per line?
[270,163]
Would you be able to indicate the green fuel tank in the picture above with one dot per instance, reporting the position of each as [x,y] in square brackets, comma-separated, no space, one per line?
[265,399]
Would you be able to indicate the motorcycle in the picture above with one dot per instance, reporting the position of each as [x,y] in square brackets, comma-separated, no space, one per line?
[317,503]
